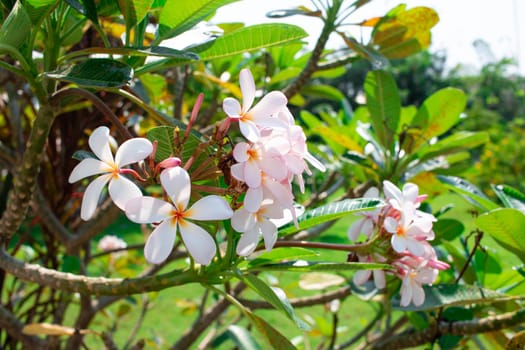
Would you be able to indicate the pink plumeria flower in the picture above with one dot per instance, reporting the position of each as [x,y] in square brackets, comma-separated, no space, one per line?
[254,225]
[409,231]
[175,217]
[414,273]
[110,170]
[251,119]
[367,224]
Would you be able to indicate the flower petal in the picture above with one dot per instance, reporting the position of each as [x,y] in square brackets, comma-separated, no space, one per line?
[248,242]
[88,167]
[147,210]
[252,174]
[399,243]
[92,196]
[253,199]
[242,220]
[99,144]
[247,88]
[406,292]
[379,279]
[133,151]
[315,162]
[199,243]
[269,232]
[361,276]
[249,130]
[210,208]
[274,167]
[355,229]
[270,104]
[418,294]
[238,171]
[232,107]
[176,183]
[160,243]
[410,192]
[121,190]
[240,152]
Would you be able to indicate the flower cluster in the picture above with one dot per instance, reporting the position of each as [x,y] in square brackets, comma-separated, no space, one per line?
[408,231]
[273,155]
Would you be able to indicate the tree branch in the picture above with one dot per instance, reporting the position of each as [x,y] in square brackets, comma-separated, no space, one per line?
[14,326]
[488,324]
[94,285]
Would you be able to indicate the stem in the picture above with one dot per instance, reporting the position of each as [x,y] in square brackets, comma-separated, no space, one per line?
[357,248]
[94,285]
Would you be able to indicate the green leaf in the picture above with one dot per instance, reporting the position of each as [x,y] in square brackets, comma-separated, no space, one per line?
[447,229]
[249,39]
[323,91]
[510,197]
[242,337]
[442,295]
[274,296]
[39,9]
[16,27]
[95,72]
[88,8]
[134,11]
[439,112]
[468,191]
[458,141]
[507,227]
[329,212]
[273,336]
[179,16]
[280,254]
[156,51]
[309,266]
[384,103]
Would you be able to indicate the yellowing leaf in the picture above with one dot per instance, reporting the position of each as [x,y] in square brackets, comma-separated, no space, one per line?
[371,22]
[338,137]
[52,329]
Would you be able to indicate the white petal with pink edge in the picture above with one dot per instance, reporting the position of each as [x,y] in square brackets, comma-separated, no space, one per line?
[270,104]
[269,233]
[232,107]
[253,199]
[252,174]
[160,243]
[92,196]
[242,220]
[210,208]
[248,242]
[88,167]
[247,88]
[147,210]
[99,144]
[121,190]
[249,130]
[133,151]
[176,183]
[199,243]
[240,152]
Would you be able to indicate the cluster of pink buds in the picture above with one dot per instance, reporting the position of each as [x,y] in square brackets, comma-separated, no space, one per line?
[408,230]
[273,155]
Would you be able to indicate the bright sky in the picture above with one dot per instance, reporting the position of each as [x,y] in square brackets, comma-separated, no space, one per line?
[500,24]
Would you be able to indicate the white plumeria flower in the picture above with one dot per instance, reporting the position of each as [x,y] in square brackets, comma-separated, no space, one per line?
[174,216]
[251,119]
[253,225]
[410,231]
[361,276]
[365,225]
[410,193]
[110,170]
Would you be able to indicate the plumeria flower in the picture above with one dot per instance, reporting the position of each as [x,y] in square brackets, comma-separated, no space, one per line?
[367,224]
[259,116]
[253,225]
[410,231]
[410,193]
[110,170]
[111,242]
[414,274]
[175,216]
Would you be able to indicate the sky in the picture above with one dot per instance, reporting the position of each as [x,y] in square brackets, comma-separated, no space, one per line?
[500,24]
